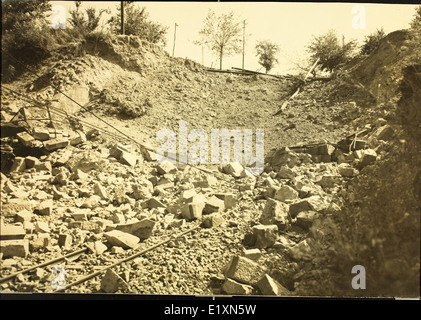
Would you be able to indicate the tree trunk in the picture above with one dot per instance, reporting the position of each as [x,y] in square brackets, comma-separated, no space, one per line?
[221,53]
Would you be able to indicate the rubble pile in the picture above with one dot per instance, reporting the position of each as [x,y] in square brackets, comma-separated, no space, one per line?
[88,191]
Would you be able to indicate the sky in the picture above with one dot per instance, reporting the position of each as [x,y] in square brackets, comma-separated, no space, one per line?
[290,25]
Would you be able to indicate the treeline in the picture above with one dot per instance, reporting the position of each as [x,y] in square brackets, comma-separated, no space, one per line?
[29,34]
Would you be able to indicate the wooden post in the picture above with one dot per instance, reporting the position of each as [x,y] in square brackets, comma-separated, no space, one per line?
[122,17]
[244,39]
[175,30]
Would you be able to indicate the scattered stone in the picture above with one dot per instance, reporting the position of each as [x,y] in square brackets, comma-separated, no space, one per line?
[314,203]
[143,189]
[42,227]
[214,204]
[285,193]
[25,138]
[141,229]
[347,171]
[285,173]
[100,191]
[112,282]
[121,239]
[45,208]
[187,195]
[65,241]
[43,166]
[269,286]
[329,180]
[233,287]
[55,144]
[14,248]
[18,165]
[23,216]
[212,220]
[244,270]
[40,274]
[265,235]
[11,232]
[191,211]
[31,162]
[305,219]
[41,134]
[79,175]
[384,133]
[77,138]
[166,167]
[117,250]
[300,251]
[369,157]
[97,247]
[252,254]
[235,169]
[155,203]
[229,199]
[149,155]
[275,212]
[41,241]
[128,158]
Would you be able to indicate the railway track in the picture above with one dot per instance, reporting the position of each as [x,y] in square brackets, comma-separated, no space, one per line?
[84,276]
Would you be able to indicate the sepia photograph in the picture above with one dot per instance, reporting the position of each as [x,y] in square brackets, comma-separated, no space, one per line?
[210,149]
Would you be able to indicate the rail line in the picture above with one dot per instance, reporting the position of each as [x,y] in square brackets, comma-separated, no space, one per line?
[96,273]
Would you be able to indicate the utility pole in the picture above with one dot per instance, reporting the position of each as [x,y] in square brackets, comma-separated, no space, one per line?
[244,39]
[122,17]
[175,30]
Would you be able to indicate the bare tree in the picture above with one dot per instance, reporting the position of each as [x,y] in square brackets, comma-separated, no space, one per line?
[222,34]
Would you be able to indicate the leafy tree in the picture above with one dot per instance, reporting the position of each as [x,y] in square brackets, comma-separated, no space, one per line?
[416,26]
[330,51]
[26,35]
[372,41]
[267,51]
[221,34]
[86,24]
[137,23]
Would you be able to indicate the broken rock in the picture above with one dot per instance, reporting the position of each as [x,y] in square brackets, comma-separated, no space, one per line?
[235,169]
[275,212]
[252,254]
[192,210]
[121,239]
[45,208]
[265,235]
[55,144]
[14,248]
[285,193]
[236,288]
[11,232]
[269,286]
[112,282]
[314,203]
[141,229]
[369,156]
[212,220]
[65,241]
[244,270]
[18,165]
[305,219]
[214,204]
